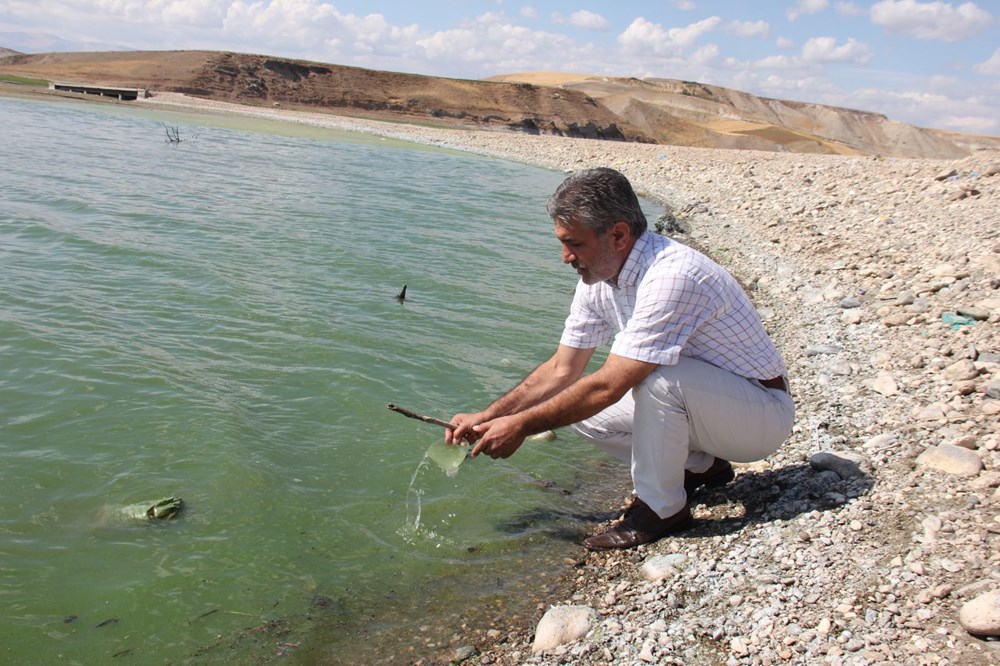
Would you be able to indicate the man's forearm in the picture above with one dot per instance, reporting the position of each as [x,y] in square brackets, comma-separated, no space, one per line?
[586,396]
[559,371]
[533,389]
[579,401]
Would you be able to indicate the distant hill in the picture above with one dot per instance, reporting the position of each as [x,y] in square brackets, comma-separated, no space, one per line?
[697,114]
[7,52]
[647,110]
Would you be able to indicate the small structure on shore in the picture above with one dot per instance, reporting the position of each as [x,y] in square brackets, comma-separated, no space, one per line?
[123,94]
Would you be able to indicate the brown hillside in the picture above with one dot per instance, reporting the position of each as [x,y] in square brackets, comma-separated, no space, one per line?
[735,119]
[650,110]
[263,80]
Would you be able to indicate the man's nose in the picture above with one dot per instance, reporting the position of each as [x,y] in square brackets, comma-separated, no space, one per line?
[568,255]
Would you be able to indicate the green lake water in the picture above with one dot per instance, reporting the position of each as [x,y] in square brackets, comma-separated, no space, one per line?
[216,320]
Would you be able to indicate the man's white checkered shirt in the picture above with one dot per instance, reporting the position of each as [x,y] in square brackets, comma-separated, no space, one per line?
[672,301]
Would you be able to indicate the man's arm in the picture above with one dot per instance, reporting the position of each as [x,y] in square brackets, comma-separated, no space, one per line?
[563,368]
[501,436]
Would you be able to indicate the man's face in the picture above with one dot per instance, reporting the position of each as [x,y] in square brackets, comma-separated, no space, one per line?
[592,255]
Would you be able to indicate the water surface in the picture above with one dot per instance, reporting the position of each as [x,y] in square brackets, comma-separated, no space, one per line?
[216,320]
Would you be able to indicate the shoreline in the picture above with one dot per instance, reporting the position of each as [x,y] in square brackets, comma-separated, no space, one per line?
[855,264]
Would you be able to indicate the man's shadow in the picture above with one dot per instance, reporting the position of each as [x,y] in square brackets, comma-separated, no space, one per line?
[753,497]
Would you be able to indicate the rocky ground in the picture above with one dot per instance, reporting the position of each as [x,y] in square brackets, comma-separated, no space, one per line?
[871,537]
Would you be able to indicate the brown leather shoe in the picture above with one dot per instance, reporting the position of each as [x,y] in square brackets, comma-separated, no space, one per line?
[639,525]
[719,474]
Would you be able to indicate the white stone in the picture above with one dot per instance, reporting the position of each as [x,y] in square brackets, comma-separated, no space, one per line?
[986,480]
[881,441]
[990,407]
[965,441]
[960,371]
[981,616]
[659,567]
[885,385]
[851,317]
[943,270]
[934,412]
[561,625]
[951,460]
[646,654]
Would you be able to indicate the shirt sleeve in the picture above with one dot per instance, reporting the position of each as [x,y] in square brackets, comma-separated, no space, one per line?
[585,328]
[670,306]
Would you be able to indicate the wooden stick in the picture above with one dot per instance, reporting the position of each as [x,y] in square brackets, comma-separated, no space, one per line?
[421,417]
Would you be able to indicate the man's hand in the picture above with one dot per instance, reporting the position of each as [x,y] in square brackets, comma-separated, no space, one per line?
[500,437]
[464,430]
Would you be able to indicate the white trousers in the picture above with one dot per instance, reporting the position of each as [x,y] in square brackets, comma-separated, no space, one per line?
[682,417]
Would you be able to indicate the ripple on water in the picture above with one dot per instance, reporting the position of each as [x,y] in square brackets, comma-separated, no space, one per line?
[216,320]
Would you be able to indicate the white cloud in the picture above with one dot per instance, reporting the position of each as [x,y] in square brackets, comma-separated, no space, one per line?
[826,50]
[749,28]
[973,124]
[848,9]
[643,36]
[803,7]
[685,5]
[529,12]
[777,62]
[491,42]
[784,43]
[991,67]
[583,19]
[932,109]
[689,35]
[192,12]
[931,20]
[706,55]
[312,27]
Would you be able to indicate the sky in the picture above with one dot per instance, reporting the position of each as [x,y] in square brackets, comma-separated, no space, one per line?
[933,63]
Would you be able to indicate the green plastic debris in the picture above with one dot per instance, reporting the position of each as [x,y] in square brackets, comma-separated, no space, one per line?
[956,321]
[448,457]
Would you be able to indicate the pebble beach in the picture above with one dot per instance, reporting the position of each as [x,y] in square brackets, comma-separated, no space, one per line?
[872,536]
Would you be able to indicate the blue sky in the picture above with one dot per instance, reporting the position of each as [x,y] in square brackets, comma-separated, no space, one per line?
[929,63]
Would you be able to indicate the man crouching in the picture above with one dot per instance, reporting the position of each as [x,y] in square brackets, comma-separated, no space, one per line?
[692,381]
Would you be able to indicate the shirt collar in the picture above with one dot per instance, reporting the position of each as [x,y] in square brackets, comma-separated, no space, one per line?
[632,268]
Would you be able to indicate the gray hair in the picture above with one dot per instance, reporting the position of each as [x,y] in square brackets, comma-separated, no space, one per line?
[597,199]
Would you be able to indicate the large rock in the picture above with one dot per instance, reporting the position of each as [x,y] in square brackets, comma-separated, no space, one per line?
[561,625]
[845,464]
[961,371]
[981,616]
[951,459]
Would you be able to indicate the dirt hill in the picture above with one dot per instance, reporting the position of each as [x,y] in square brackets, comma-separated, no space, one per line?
[648,110]
[697,114]
[267,81]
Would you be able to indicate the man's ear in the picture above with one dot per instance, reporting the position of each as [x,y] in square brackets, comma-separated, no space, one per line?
[621,234]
